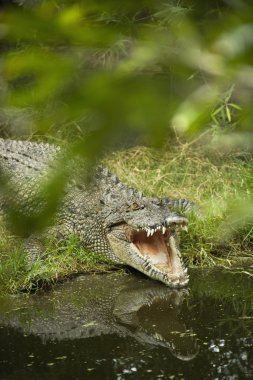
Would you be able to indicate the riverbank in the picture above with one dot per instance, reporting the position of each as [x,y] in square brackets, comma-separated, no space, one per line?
[219,184]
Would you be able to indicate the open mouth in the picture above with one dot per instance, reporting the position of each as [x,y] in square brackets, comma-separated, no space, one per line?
[157,248]
[155,251]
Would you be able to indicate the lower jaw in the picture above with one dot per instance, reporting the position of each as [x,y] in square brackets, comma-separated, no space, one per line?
[173,274]
[126,252]
[172,281]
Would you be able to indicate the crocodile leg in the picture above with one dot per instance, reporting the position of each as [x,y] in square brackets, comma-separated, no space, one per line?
[35,244]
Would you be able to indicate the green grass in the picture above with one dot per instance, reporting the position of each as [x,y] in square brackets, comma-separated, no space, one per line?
[219,184]
[59,263]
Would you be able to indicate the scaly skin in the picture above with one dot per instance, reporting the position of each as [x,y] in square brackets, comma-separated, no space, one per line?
[106,216]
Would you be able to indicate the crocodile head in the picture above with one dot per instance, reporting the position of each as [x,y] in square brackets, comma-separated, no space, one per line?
[145,237]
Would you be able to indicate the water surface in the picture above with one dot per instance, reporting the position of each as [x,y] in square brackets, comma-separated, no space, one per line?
[130,327]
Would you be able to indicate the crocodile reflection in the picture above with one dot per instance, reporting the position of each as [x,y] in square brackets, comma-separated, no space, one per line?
[105,304]
[152,314]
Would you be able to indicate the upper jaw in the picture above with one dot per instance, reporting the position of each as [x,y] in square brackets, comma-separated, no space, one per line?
[153,250]
[171,222]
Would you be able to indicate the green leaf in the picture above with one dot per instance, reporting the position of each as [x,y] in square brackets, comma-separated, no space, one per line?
[236,106]
[228,114]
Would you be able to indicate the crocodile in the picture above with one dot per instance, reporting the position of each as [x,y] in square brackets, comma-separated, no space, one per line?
[105,215]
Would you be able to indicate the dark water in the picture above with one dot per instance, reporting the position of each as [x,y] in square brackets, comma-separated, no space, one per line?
[129,327]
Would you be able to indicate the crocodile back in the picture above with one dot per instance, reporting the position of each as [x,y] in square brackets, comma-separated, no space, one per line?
[24,158]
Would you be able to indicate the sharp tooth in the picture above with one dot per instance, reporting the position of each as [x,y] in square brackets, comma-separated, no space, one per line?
[152,232]
[148,232]
[164,230]
[185,228]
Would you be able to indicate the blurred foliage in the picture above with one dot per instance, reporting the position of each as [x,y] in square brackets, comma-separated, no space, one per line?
[137,69]
[103,75]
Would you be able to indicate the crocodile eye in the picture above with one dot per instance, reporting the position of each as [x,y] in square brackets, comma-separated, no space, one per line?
[134,206]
